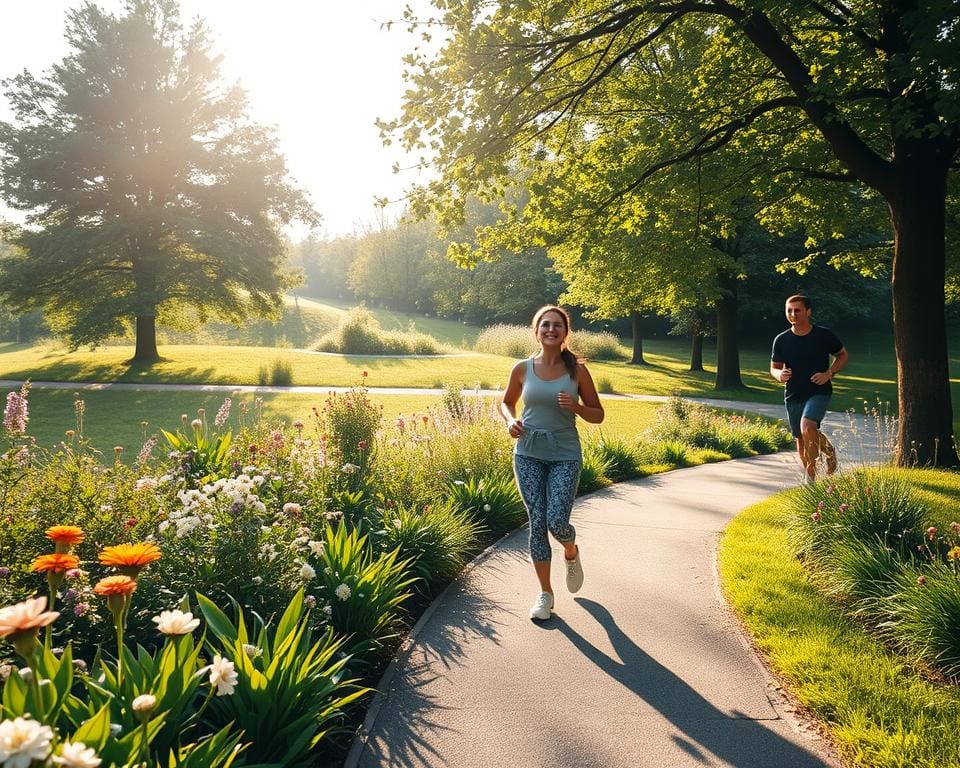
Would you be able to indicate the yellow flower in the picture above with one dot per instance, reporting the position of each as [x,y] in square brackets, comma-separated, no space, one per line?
[954,553]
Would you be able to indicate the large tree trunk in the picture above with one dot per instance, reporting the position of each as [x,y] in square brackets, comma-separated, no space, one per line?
[636,328]
[728,348]
[146,351]
[925,434]
[696,350]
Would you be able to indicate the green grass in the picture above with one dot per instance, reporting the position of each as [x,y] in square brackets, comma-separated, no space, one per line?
[881,712]
[112,417]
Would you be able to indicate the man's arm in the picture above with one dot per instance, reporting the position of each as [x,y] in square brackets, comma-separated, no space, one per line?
[839,360]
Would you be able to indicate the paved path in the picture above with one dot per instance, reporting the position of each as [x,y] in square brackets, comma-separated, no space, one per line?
[644,667]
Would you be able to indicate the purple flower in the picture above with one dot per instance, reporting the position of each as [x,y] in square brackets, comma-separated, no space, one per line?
[4,571]
[16,414]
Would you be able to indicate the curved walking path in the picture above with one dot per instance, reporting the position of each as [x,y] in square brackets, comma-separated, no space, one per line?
[645,667]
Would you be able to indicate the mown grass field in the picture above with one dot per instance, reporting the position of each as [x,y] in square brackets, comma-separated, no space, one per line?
[113,417]
[881,711]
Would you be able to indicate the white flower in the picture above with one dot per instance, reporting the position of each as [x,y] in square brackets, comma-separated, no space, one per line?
[115,729]
[22,741]
[307,572]
[176,622]
[196,423]
[486,507]
[144,703]
[258,580]
[343,592]
[145,484]
[252,651]
[328,609]
[6,670]
[223,675]
[291,508]
[77,755]
[348,468]
[26,674]
[316,547]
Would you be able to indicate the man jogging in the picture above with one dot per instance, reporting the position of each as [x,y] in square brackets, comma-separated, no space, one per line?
[801,361]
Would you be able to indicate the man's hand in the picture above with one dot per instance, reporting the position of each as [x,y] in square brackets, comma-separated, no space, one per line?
[822,377]
[785,374]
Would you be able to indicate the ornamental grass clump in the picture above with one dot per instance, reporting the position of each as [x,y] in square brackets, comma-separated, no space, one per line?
[436,539]
[491,500]
[622,460]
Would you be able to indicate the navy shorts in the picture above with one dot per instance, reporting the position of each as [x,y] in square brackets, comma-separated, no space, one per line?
[813,408]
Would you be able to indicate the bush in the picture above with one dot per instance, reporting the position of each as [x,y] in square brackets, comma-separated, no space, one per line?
[518,341]
[281,373]
[359,333]
[437,539]
[350,422]
[597,346]
[622,461]
[593,473]
[491,500]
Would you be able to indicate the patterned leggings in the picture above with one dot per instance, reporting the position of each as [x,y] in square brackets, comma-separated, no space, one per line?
[548,489]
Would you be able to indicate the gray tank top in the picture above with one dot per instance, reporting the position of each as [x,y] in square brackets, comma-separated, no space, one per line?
[550,432]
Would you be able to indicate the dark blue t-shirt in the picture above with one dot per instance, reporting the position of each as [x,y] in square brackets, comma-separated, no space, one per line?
[805,355]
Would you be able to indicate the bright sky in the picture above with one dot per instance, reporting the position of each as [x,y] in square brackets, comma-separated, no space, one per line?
[321,71]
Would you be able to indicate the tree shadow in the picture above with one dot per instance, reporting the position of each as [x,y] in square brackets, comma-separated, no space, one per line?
[733,738]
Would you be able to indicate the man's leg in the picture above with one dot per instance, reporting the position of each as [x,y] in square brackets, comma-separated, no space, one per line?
[809,445]
[814,409]
[795,417]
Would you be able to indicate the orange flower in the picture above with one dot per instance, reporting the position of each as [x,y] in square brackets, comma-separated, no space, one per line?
[65,536]
[58,562]
[130,559]
[20,623]
[117,590]
[115,585]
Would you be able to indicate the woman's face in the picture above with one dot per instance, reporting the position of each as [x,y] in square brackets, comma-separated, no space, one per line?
[552,329]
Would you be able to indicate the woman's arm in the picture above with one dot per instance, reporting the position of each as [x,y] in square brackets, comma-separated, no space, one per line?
[589,407]
[508,403]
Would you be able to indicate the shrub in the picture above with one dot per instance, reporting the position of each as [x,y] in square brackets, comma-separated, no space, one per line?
[359,333]
[507,340]
[671,453]
[492,500]
[597,346]
[350,422]
[436,538]
[291,689]
[281,373]
[604,385]
[362,589]
[622,461]
[593,473]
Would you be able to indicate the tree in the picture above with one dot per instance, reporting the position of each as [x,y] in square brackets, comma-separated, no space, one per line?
[851,92]
[146,186]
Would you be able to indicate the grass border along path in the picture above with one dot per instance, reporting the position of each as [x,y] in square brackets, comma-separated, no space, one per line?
[880,712]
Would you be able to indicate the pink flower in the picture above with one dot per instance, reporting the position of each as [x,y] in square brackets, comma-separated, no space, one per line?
[921,580]
[931,533]
[16,414]
[844,507]
[362,445]
[820,505]
[816,516]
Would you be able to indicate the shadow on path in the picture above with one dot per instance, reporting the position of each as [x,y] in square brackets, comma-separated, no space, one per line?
[702,728]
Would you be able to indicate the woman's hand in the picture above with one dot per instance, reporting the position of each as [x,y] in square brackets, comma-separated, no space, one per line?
[515,428]
[566,402]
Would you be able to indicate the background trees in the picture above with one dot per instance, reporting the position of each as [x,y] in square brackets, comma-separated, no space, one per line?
[146,186]
[861,94]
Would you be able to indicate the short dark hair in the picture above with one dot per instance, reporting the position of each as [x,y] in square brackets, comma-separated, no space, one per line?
[800,297]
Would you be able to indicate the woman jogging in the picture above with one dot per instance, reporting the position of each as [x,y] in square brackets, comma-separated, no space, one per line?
[555,388]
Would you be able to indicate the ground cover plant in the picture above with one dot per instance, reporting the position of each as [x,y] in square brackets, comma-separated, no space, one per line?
[336,530]
[837,597]
[359,333]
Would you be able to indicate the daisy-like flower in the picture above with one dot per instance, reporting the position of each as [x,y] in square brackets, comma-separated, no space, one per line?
[65,536]
[130,559]
[22,741]
[252,651]
[176,622]
[21,621]
[292,509]
[223,675]
[77,755]
[343,592]
[55,563]
[307,573]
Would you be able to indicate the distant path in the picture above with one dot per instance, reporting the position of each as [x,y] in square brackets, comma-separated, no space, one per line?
[855,435]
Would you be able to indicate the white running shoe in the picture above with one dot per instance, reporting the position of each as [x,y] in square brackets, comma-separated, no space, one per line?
[574,572]
[542,607]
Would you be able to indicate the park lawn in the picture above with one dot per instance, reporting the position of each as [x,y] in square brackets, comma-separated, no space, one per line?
[880,711]
[113,417]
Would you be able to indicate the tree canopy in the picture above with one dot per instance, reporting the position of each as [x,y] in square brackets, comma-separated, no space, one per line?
[592,101]
[146,186]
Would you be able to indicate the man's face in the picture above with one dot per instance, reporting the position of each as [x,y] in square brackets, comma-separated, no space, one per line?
[797,313]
